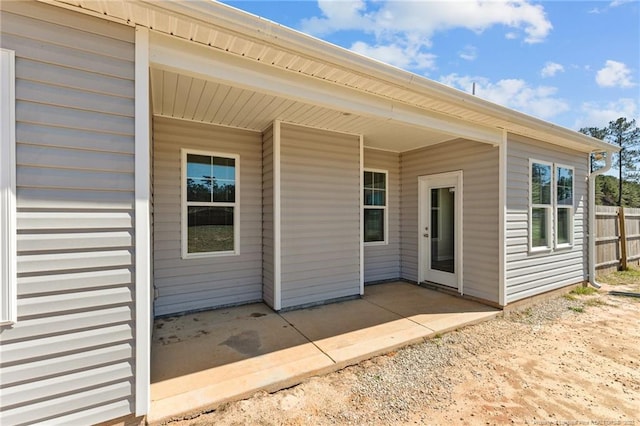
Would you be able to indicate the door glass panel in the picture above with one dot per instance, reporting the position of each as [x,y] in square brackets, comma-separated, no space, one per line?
[443,229]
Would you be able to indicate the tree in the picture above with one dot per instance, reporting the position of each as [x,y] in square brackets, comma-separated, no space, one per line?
[598,133]
[626,135]
[607,192]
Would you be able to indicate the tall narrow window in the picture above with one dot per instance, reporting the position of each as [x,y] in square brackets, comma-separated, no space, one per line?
[541,205]
[564,206]
[8,297]
[210,204]
[375,206]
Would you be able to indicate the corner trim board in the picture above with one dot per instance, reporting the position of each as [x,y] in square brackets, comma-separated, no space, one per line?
[502,218]
[8,221]
[143,315]
[277,234]
[361,198]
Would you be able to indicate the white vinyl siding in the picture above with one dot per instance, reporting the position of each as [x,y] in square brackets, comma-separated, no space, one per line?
[529,273]
[202,283]
[70,356]
[479,163]
[8,297]
[320,208]
[382,261]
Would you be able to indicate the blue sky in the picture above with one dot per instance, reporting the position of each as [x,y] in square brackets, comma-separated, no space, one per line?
[573,63]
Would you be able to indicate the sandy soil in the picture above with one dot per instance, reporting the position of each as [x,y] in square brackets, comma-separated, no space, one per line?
[571,361]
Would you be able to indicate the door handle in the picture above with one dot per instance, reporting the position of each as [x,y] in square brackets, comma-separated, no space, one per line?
[426,235]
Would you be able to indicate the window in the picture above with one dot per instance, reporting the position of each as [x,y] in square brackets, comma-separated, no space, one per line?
[564,206]
[551,206]
[375,206]
[210,211]
[8,298]
[540,205]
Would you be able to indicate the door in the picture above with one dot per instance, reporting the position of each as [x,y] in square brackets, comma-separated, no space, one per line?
[440,232]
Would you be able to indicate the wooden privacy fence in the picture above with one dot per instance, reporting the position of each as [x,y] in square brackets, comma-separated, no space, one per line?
[617,241]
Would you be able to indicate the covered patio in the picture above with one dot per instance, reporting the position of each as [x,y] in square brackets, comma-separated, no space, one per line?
[202,360]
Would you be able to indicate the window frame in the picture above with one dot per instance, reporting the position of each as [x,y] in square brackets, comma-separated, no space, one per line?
[571,207]
[384,208]
[549,208]
[552,209]
[8,223]
[184,152]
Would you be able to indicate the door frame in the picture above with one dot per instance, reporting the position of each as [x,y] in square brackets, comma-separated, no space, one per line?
[423,184]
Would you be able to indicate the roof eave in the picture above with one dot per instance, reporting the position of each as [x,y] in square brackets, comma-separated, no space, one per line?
[247,23]
[230,19]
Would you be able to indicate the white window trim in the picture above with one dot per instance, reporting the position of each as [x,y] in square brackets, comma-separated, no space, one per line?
[235,205]
[548,208]
[8,225]
[570,208]
[385,207]
[552,209]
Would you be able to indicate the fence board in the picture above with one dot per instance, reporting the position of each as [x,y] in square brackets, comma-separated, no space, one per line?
[608,237]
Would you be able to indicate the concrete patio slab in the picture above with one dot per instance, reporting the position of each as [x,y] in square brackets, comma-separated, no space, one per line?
[351,331]
[206,359]
[202,360]
[436,310]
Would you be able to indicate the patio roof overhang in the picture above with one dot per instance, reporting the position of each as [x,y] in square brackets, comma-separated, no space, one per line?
[291,76]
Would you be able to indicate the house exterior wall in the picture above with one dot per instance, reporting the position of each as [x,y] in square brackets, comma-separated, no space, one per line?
[70,355]
[268,291]
[479,163]
[320,208]
[382,262]
[529,274]
[207,282]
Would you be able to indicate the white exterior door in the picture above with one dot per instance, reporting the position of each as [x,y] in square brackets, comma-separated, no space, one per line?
[440,232]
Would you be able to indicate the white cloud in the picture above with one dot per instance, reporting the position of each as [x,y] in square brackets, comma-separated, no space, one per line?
[408,26]
[616,3]
[421,19]
[598,114]
[550,69]
[469,53]
[614,74]
[400,56]
[539,101]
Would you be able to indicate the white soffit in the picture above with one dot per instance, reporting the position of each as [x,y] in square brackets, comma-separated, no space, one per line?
[185,97]
[244,35]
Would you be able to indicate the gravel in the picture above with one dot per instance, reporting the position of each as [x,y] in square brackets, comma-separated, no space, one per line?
[388,387]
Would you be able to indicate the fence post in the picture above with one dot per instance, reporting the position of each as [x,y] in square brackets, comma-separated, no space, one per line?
[623,240]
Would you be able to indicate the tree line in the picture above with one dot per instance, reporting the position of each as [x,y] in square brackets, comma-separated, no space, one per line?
[625,189]
[607,192]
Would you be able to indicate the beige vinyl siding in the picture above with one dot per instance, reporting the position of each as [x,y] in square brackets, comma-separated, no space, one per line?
[320,196]
[70,355]
[382,262]
[201,283]
[267,218]
[530,274]
[479,163]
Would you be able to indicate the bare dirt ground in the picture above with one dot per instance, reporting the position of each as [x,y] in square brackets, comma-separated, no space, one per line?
[573,360]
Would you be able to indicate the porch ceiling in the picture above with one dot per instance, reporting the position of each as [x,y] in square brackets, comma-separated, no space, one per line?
[190,98]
